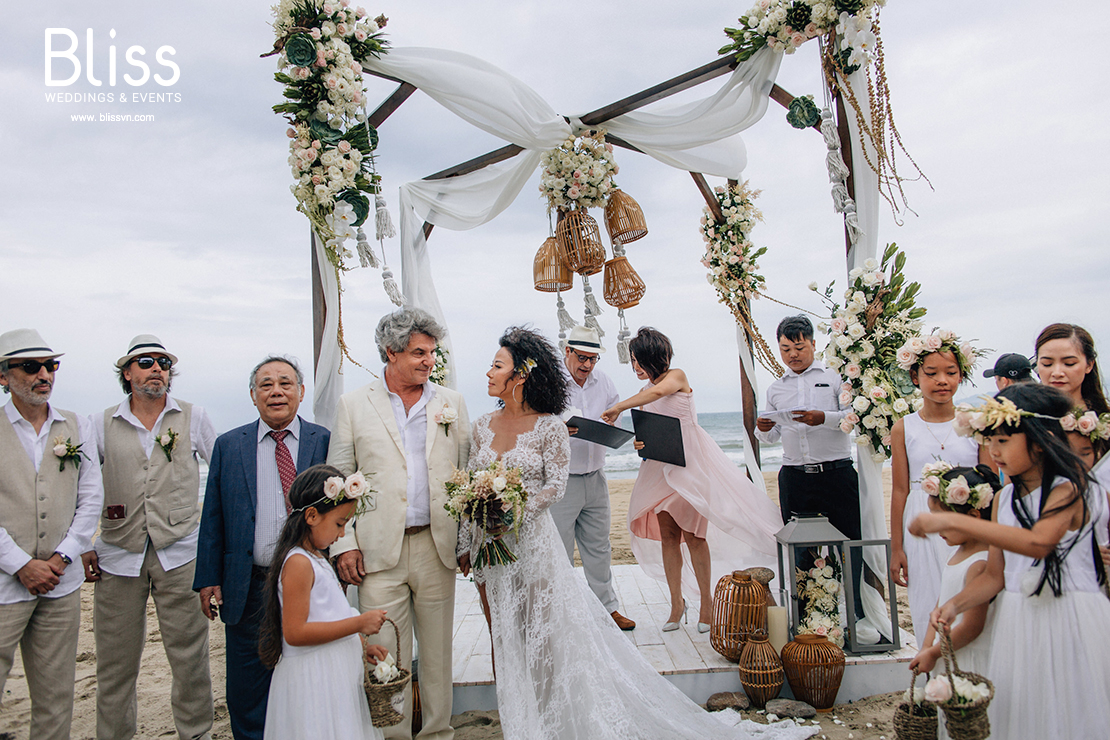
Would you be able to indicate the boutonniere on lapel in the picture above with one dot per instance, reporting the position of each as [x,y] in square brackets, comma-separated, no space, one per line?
[64,450]
[168,442]
[445,418]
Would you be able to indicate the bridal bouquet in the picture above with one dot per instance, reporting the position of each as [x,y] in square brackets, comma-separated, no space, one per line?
[493,498]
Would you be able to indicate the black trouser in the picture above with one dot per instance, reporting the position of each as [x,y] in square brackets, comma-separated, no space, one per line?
[833,493]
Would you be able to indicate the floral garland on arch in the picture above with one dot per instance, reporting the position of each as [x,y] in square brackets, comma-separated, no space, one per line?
[439,370]
[321,47]
[578,173]
[878,317]
[732,260]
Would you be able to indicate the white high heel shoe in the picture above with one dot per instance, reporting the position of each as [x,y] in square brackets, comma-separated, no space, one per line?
[672,626]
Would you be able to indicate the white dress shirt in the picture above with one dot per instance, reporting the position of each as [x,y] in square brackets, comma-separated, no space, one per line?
[588,400]
[202,434]
[413,427]
[78,540]
[269,506]
[816,388]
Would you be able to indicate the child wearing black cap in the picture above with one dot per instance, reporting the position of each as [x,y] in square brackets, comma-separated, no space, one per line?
[1010,368]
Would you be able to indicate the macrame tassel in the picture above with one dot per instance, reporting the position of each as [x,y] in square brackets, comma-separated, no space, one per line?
[624,356]
[592,323]
[382,221]
[592,309]
[828,130]
[834,163]
[840,197]
[391,288]
[852,223]
[566,323]
[365,252]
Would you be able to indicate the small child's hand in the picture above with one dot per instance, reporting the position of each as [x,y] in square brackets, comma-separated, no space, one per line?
[374,653]
[371,621]
[926,660]
[1105,553]
[943,617]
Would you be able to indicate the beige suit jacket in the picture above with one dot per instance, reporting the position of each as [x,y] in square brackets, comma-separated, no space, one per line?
[366,438]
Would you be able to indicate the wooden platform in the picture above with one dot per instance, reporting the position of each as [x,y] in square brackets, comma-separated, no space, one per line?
[684,657]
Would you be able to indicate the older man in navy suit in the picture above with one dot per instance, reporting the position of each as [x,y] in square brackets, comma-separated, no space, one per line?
[245,507]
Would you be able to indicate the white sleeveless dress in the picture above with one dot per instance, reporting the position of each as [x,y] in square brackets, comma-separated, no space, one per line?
[316,691]
[1049,657]
[926,557]
[975,656]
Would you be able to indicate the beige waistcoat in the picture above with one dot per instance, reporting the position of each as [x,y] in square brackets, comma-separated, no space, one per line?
[37,510]
[160,498]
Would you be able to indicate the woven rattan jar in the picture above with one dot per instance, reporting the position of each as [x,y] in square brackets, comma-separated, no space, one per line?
[624,219]
[580,242]
[548,271]
[739,611]
[623,288]
[814,668]
[760,671]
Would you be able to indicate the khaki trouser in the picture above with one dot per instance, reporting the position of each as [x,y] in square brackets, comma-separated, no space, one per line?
[46,632]
[120,629]
[421,587]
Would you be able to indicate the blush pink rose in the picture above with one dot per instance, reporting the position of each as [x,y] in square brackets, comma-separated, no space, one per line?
[846,426]
[839,325]
[933,342]
[852,370]
[931,485]
[845,398]
[906,357]
[878,393]
[851,417]
[938,689]
[798,39]
[958,491]
[1068,423]
[1087,423]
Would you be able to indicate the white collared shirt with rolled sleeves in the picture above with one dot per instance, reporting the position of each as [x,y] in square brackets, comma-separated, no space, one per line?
[590,399]
[116,560]
[78,539]
[816,388]
[413,427]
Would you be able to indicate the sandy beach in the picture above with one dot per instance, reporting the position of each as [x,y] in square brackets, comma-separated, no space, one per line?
[869,718]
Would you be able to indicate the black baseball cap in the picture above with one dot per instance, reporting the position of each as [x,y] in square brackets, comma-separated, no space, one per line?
[1010,366]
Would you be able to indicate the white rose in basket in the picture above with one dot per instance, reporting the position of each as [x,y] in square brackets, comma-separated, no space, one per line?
[386,670]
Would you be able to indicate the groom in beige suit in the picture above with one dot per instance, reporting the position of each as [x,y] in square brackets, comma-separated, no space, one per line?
[407,435]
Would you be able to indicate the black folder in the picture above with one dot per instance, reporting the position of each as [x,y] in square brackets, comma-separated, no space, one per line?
[661,435]
[599,432]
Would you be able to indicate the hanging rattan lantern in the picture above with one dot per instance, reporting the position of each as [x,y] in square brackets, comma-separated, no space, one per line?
[548,271]
[624,219]
[623,287]
[579,242]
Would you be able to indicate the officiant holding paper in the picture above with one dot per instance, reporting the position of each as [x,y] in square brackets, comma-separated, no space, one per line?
[583,512]
[725,521]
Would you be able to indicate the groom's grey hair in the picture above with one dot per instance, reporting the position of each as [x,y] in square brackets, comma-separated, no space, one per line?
[396,329]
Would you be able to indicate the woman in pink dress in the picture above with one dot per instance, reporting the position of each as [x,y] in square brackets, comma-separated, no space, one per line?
[707,517]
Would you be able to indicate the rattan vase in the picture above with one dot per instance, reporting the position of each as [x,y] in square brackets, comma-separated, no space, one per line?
[579,242]
[814,668]
[623,287]
[624,219]
[387,700]
[549,272]
[760,671]
[739,612]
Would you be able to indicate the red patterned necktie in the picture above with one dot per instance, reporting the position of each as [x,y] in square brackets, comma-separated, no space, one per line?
[286,469]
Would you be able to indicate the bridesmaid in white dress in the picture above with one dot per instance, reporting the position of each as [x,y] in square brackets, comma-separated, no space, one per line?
[923,437]
[564,669]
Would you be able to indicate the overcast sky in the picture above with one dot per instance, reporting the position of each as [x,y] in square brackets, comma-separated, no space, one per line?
[184,226]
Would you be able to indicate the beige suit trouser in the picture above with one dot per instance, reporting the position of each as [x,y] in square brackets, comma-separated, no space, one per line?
[46,632]
[120,628]
[419,592]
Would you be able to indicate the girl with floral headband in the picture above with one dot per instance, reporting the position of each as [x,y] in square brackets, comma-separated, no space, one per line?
[1050,613]
[968,492]
[937,364]
[309,632]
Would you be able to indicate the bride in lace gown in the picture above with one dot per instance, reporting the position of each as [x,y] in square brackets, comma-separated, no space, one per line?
[564,669]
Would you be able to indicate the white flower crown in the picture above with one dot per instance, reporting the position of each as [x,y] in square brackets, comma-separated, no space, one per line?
[941,340]
[337,490]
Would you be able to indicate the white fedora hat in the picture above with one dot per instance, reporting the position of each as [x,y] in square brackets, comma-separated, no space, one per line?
[24,343]
[585,339]
[144,344]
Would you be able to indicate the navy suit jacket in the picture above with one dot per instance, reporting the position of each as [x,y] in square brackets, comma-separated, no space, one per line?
[225,548]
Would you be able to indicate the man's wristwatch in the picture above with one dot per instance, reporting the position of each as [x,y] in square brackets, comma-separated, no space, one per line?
[65,558]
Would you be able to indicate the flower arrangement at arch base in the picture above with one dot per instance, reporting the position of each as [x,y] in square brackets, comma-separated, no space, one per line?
[878,318]
[493,499]
[820,590]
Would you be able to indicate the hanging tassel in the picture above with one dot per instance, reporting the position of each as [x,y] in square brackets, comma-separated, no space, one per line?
[840,197]
[591,322]
[624,356]
[391,288]
[592,309]
[828,130]
[365,252]
[566,323]
[382,221]
[834,163]
[852,223]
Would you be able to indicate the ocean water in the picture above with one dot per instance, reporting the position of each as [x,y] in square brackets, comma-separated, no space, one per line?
[726,429]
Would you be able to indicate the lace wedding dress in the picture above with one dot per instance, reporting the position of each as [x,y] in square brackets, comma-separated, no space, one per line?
[564,669]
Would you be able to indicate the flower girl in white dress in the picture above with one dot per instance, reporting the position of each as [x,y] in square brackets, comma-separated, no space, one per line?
[310,633]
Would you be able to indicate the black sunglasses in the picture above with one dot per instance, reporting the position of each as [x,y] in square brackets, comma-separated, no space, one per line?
[32,367]
[146,362]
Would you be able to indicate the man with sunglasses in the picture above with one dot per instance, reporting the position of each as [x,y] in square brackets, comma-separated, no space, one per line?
[148,447]
[583,512]
[50,497]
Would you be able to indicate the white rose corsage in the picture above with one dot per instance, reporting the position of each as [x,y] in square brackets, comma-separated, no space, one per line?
[445,417]
[168,443]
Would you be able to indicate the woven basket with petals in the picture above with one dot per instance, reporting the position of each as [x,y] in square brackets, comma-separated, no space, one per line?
[387,700]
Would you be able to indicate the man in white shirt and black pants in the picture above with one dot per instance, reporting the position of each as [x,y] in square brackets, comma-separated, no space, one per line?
[817,474]
[50,497]
[583,512]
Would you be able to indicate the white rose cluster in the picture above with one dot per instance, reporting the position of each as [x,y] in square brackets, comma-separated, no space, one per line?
[322,171]
[821,591]
[730,256]
[578,173]
[785,25]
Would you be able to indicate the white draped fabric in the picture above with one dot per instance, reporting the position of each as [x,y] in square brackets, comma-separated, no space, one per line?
[327,385]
